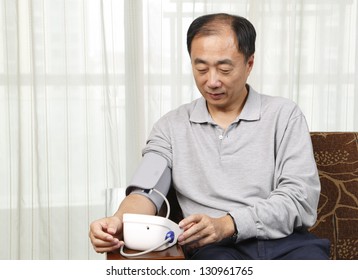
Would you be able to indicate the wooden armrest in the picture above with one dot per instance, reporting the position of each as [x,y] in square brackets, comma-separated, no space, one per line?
[173,253]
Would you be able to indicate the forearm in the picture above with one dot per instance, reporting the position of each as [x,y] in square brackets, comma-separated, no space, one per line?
[136,203]
[274,218]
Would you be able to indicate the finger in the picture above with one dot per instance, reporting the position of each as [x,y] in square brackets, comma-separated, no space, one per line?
[198,243]
[108,248]
[192,219]
[98,232]
[114,225]
[185,228]
[192,234]
[104,243]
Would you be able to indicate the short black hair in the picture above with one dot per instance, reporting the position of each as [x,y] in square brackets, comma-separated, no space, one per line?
[207,25]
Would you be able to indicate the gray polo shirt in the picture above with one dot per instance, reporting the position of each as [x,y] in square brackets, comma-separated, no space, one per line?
[260,170]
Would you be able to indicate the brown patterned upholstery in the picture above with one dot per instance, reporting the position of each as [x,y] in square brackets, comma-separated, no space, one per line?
[336,156]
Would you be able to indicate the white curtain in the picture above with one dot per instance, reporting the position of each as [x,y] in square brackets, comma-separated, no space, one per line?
[83,81]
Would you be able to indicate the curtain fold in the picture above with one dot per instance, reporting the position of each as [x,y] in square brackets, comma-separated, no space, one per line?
[134,82]
[82,82]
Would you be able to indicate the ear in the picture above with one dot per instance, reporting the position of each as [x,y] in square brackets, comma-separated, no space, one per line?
[250,63]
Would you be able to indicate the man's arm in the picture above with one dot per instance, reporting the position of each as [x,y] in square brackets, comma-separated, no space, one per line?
[152,173]
[137,204]
[106,233]
[296,188]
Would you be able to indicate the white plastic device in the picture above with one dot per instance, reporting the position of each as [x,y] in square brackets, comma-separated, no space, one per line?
[147,233]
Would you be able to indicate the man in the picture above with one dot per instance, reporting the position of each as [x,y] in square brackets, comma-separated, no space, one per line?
[241,162]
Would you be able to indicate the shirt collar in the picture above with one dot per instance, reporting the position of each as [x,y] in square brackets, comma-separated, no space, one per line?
[250,112]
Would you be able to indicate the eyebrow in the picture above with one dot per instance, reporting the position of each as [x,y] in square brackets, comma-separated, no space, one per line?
[220,62]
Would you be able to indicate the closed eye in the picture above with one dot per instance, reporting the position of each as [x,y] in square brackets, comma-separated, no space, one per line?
[225,71]
[202,70]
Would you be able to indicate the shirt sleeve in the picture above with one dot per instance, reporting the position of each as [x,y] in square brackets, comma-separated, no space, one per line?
[293,202]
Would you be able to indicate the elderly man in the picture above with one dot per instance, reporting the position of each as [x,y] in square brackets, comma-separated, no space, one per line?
[241,162]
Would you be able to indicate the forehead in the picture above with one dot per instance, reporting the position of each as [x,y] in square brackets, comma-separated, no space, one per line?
[217,46]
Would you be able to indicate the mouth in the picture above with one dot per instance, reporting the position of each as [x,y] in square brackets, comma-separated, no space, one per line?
[215,96]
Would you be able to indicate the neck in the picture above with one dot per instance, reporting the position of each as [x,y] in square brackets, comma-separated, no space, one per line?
[224,116]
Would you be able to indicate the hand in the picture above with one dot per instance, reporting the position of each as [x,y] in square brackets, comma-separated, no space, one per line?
[200,230]
[106,234]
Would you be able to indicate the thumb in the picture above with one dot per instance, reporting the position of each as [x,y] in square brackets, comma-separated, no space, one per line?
[114,225]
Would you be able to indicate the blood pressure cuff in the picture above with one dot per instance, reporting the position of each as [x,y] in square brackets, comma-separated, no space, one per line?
[152,173]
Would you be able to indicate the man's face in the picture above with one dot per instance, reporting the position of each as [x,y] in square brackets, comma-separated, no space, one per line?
[220,70]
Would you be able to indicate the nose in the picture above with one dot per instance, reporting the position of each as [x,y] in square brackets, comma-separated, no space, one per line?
[213,80]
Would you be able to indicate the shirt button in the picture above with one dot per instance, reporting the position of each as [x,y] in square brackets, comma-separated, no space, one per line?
[221,137]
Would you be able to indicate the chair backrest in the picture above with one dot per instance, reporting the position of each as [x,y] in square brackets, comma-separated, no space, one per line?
[336,155]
